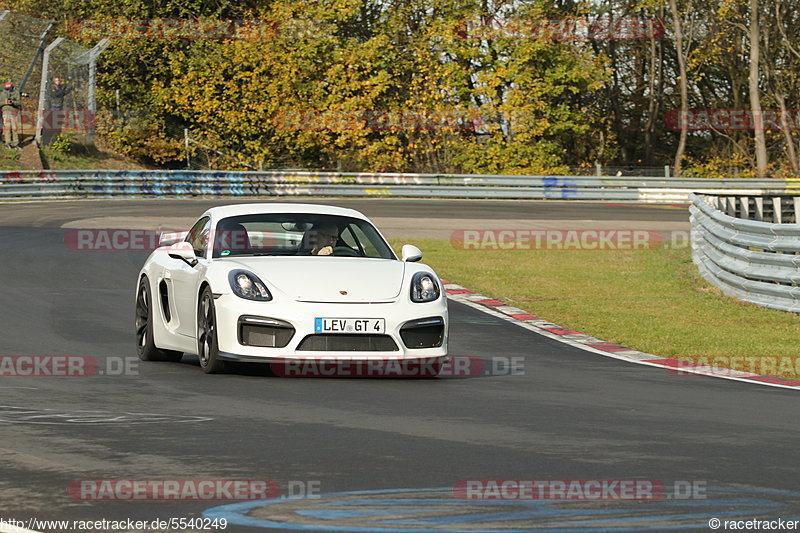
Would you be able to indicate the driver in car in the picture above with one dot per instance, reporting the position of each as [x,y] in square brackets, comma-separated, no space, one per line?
[323,238]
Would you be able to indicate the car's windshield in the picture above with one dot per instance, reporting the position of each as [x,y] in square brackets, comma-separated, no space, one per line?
[305,234]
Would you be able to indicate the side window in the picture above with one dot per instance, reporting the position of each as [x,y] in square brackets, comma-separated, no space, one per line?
[198,236]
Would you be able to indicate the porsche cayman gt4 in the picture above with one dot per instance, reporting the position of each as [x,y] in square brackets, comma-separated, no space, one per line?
[279,282]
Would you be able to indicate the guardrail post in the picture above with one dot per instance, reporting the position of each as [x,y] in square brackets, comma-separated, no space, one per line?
[776,208]
[731,205]
[666,171]
[744,203]
[759,200]
[796,201]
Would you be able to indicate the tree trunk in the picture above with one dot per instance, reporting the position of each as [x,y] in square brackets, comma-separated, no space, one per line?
[654,97]
[755,97]
[684,88]
[791,153]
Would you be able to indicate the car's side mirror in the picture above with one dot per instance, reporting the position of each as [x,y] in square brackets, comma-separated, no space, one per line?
[183,251]
[411,253]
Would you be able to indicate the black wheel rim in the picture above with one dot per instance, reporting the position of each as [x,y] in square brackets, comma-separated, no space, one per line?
[142,316]
[205,327]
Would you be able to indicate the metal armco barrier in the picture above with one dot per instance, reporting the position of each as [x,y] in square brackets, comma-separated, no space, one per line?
[748,247]
[148,183]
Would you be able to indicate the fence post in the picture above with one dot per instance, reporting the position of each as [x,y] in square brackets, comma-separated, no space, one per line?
[94,53]
[43,87]
[42,40]
[186,145]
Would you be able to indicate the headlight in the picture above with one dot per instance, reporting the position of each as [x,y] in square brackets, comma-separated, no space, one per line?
[248,286]
[424,288]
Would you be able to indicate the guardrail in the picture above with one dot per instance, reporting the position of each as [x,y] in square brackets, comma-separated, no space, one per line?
[146,183]
[749,247]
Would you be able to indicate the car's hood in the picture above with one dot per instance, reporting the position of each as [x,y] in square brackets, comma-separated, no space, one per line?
[325,279]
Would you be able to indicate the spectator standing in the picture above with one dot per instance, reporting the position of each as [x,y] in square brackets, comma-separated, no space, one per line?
[54,117]
[57,94]
[11,115]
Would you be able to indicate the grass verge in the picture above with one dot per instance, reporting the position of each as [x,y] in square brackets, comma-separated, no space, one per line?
[649,300]
[66,154]
[87,160]
[9,159]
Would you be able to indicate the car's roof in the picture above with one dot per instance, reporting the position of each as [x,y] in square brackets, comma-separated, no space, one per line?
[225,211]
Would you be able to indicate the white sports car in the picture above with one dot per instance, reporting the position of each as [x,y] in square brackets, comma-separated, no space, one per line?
[282,282]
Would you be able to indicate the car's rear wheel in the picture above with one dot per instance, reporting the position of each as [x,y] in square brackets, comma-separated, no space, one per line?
[145,343]
[207,347]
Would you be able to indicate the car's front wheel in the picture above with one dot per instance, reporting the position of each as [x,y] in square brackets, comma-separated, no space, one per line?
[207,347]
[145,343]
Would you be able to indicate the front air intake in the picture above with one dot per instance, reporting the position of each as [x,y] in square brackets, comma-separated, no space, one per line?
[423,333]
[264,332]
[325,342]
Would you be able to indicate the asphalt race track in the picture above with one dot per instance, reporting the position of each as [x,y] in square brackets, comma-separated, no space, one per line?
[377,454]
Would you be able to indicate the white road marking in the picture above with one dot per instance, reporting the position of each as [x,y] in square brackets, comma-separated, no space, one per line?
[632,356]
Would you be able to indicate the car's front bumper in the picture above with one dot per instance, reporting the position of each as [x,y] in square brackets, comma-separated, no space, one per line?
[301,317]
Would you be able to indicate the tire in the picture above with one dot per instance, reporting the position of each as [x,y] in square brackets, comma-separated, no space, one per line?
[207,344]
[143,322]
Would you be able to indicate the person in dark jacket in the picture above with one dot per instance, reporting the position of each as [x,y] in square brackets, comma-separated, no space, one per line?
[57,94]
[54,117]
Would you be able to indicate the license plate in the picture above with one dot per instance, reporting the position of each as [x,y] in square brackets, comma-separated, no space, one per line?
[349,325]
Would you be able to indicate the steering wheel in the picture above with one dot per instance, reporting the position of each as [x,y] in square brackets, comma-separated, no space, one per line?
[345,251]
